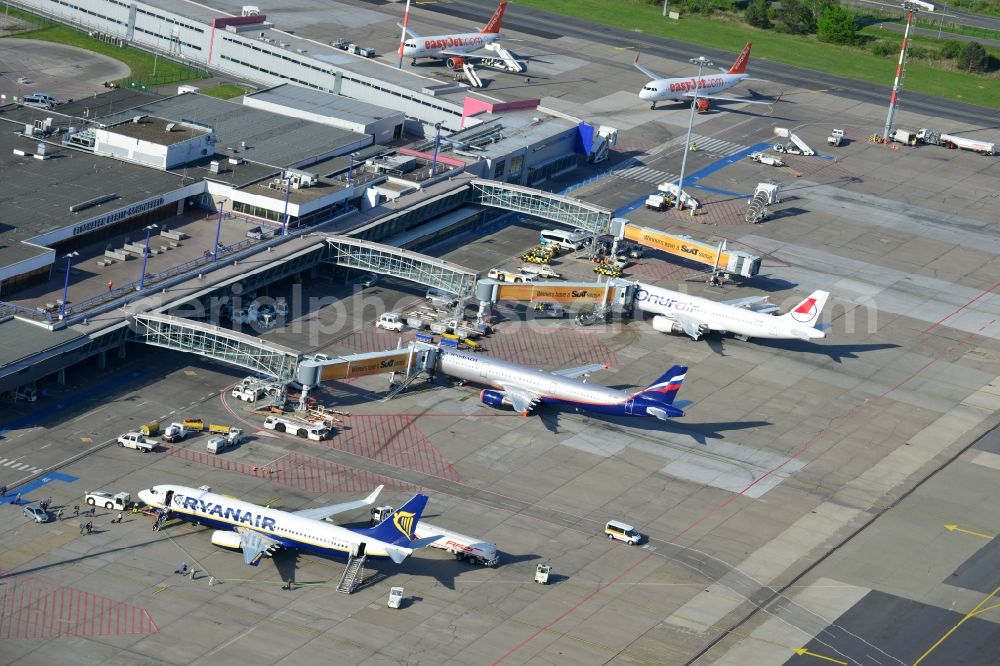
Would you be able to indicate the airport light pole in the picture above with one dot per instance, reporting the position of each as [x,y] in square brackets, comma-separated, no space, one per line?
[911,7]
[62,305]
[702,62]
[284,219]
[437,144]
[218,230]
[145,257]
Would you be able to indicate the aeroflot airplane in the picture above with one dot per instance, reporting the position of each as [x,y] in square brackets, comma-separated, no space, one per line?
[523,387]
[678,89]
[454,49]
[259,530]
[746,318]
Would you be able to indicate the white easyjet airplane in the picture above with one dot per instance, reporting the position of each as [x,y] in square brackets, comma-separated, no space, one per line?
[454,49]
[745,318]
[680,88]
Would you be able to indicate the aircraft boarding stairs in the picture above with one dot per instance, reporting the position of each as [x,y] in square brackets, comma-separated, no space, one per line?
[504,60]
[471,76]
[403,385]
[354,573]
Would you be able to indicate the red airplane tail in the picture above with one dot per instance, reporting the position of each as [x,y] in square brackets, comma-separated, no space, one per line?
[740,66]
[493,26]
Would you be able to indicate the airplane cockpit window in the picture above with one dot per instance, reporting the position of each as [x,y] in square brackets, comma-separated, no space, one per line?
[411,45]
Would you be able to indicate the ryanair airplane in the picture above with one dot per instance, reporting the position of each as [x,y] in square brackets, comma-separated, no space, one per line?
[259,530]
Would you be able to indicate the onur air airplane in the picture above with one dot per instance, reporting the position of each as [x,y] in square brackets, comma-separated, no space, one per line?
[523,387]
[259,530]
[661,88]
[453,49]
[746,318]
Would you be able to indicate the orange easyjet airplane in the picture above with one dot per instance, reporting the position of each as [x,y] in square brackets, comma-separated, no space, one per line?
[454,49]
[683,88]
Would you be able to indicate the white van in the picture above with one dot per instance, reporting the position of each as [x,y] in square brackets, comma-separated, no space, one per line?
[40,100]
[619,531]
[567,240]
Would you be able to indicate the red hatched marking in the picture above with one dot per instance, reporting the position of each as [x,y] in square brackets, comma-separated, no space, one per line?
[548,346]
[371,339]
[296,470]
[32,608]
[394,439]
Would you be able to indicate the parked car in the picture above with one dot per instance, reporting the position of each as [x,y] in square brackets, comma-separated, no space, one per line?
[36,512]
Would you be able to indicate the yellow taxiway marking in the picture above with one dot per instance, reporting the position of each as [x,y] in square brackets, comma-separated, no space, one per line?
[955,528]
[190,373]
[86,440]
[978,610]
[804,652]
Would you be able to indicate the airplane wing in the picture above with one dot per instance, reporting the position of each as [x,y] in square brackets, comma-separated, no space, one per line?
[582,371]
[408,31]
[324,512]
[467,54]
[521,399]
[731,99]
[692,327]
[256,545]
[651,74]
[745,302]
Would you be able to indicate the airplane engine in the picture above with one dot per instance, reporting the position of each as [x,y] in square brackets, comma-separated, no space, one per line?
[492,398]
[666,325]
[227,539]
[455,63]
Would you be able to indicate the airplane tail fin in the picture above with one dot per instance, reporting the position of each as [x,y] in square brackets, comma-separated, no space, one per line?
[665,388]
[493,26]
[808,311]
[399,525]
[740,66]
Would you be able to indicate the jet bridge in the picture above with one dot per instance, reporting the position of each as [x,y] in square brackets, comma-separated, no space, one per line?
[721,260]
[217,343]
[564,210]
[388,260]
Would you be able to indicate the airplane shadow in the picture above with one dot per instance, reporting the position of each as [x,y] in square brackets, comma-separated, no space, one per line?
[836,353]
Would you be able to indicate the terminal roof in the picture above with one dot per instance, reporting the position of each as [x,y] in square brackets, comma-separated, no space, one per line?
[38,193]
[323,103]
[270,138]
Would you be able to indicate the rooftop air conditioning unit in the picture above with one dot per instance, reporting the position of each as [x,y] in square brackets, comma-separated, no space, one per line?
[170,127]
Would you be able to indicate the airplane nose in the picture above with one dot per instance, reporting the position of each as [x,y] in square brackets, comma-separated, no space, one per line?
[146,497]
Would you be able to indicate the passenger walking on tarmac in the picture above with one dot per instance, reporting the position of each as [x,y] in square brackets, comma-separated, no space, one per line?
[76,510]
[90,527]
[3,491]
[59,514]
[17,499]
[82,528]
[119,518]
[182,569]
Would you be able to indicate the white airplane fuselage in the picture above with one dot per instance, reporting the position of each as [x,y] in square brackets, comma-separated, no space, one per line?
[436,45]
[226,513]
[681,89]
[552,388]
[672,306]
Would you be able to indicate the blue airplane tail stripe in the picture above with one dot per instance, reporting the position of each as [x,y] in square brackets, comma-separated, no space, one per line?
[399,526]
[665,388]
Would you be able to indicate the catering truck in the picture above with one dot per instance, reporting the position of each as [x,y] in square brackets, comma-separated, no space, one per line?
[951,141]
[463,547]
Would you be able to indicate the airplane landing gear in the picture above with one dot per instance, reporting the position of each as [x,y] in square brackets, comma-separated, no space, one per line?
[413,62]
[653,106]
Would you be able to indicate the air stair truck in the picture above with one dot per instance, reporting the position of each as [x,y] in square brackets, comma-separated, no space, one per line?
[463,547]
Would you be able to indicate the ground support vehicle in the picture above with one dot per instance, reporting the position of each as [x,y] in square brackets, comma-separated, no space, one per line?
[953,141]
[137,441]
[463,547]
[295,427]
[120,501]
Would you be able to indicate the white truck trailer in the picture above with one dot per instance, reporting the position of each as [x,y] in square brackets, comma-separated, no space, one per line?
[463,547]
[952,141]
